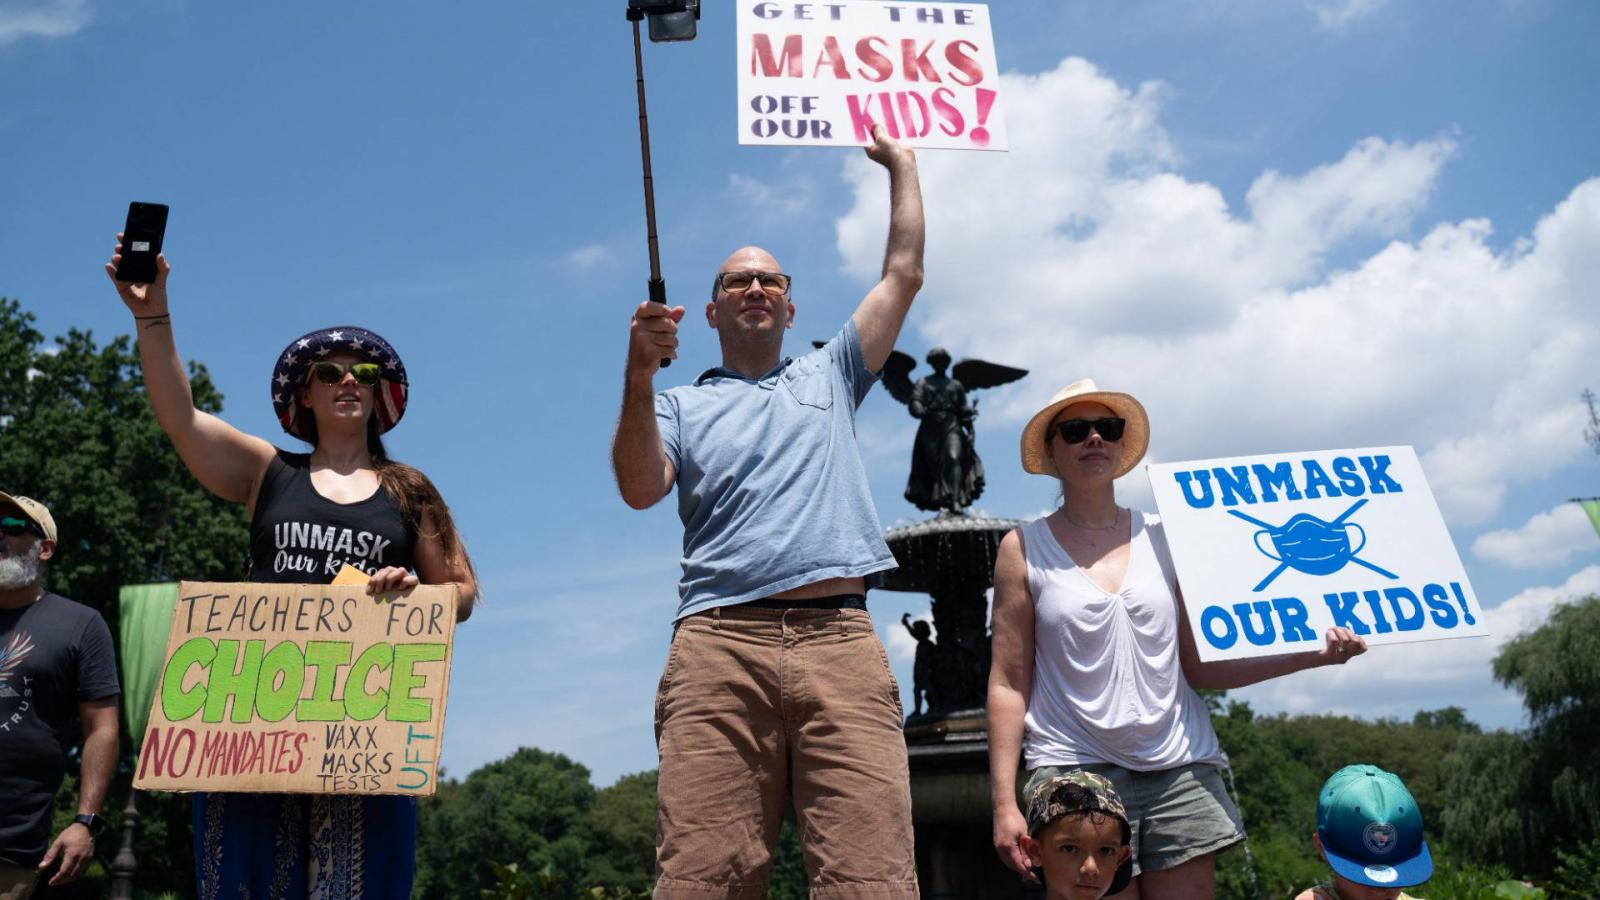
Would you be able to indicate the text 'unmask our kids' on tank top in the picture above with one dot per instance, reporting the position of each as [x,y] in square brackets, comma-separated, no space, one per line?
[298,536]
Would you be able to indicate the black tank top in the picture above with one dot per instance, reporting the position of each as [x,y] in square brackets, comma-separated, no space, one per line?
[299,536]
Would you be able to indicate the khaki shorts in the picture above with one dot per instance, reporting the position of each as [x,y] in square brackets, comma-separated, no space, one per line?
[16,882]
[758,709]
[1175,814]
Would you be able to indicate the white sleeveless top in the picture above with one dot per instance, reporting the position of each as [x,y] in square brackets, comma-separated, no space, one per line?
[1108,686]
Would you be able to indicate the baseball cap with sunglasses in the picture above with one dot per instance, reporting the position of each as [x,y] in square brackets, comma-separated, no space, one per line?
[34,515]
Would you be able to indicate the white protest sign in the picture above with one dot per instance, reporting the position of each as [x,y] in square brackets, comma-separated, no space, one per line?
[820,74]
[1271,551]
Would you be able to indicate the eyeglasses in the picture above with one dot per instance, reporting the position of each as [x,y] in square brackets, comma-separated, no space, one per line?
[15,526]
[1076,431]
[774,283]
[332,373]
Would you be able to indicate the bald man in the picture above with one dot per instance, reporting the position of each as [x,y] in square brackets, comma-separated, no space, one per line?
[776,688]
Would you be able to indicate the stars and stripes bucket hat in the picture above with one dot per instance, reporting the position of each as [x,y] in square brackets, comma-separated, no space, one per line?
[296,360]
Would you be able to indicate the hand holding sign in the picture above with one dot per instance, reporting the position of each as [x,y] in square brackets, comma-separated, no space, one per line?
[284,688]
[1343,645]
[1273,551]
[888,152]
[821,74]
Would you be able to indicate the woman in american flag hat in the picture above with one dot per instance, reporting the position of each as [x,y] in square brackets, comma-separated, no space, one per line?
[338,389]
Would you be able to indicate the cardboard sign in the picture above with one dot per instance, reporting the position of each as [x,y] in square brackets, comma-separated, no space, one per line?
[310,689]
[1271,551]
[820,74]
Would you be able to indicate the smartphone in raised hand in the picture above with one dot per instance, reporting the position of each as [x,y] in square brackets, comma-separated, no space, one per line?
[141,241]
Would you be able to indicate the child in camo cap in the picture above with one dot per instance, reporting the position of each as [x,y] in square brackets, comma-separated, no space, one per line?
[1079,837]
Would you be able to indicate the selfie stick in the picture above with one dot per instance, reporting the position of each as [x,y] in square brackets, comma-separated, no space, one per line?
[658,287]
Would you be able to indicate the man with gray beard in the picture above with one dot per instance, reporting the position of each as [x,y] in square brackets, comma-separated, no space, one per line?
[56,662]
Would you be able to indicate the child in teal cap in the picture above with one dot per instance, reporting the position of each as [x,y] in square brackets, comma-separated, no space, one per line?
[1370,832]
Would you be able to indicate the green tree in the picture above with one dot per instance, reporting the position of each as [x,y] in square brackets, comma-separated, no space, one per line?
[530,808]
[1279,764]
[622,829]
[77,434]
[1522,799]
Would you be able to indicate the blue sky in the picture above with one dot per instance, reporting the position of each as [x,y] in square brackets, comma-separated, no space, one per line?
[1285,224]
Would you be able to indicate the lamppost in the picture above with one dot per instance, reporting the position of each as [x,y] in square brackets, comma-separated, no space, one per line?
[670,20]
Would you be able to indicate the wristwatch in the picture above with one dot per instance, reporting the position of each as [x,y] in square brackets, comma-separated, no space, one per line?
[94,823]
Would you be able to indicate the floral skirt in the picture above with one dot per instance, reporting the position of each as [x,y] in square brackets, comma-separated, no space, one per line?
[304,847]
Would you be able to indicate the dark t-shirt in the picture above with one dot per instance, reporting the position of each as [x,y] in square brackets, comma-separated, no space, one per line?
[299,536]
[53,654]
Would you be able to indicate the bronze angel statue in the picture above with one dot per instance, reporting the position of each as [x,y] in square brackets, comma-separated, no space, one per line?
[946,473]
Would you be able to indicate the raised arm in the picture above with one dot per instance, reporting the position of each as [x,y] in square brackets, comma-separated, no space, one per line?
[883,311]
[1225,675]
[227,461]
[1010,682]
[644,473]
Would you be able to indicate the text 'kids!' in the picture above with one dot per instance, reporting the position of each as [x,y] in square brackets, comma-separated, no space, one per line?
[1079,840]
[1370,832]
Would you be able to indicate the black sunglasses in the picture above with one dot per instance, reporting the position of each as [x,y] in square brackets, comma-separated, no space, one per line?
[13,526]
[1076,431]
[332,373]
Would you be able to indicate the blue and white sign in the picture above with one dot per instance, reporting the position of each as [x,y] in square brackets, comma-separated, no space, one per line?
[1272,551]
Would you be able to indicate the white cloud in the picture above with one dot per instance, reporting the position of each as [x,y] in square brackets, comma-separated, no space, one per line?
[51,18]
[590,257]
[1424,675]
[1547,539]
[1334,15]
[791,197]
[902,646]
[1084,253]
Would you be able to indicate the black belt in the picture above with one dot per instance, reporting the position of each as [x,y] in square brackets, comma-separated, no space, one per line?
[837,601]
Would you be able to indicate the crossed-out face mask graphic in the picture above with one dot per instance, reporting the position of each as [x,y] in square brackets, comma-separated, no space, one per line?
[1310,545]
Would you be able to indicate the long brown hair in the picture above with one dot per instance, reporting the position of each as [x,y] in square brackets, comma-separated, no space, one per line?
[412,492]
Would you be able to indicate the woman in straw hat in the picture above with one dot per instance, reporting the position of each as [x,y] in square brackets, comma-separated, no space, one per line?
[344,503]
[1094,666]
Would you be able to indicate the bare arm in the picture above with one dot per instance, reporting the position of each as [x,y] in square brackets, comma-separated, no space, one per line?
[227,461]
[74,846]
[644,473]
[434,566]
[1225,675]
[1010,682]
[99,720]
[883,311]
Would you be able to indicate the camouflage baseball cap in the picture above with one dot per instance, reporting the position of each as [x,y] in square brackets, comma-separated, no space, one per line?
[1075,792]
[1070,792]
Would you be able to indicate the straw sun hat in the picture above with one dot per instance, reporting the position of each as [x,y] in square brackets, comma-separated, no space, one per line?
[1135,438]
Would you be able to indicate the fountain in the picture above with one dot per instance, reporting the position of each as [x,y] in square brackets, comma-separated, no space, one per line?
[951,558]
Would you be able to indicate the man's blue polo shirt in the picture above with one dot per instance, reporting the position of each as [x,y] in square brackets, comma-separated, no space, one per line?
[771,488]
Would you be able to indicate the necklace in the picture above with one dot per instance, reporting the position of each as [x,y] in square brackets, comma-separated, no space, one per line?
[1076,524]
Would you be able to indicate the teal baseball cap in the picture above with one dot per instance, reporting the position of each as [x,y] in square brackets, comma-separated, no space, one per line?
[1371,829]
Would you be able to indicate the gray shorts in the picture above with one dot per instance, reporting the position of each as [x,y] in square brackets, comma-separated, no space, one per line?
[1175,814]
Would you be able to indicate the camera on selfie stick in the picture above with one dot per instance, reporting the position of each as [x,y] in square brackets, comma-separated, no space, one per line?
[670,20]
